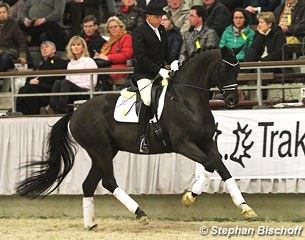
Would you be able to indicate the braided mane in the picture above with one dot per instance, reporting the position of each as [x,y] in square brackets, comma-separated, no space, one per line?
[192,55]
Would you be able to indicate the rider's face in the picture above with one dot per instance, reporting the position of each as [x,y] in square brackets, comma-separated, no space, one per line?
[154,20]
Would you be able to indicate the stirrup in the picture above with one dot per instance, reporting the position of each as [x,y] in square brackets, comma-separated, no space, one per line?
[144,145]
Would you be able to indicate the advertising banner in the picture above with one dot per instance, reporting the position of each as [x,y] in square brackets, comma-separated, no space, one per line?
[262,143]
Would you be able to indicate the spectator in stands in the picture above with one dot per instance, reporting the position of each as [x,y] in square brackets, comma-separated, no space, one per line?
[12,42]
[42,84]
[199,35]
[15,7]
[130,15]
[268,41]
[80,8]
[78,53]
[254,7]
[42,20]
[174,38]
[290,16]
[178,11]
[91,35]
[151,52]
[118,49]
[218,16]
[238,34]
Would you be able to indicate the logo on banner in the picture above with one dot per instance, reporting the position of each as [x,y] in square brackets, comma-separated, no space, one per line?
[242,144]
[273,142]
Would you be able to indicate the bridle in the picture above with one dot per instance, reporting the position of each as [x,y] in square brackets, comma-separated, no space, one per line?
[230,87]
[223,89]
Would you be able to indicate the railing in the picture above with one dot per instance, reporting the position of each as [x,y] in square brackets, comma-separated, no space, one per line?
[13,75]
[267,65]
[249,65]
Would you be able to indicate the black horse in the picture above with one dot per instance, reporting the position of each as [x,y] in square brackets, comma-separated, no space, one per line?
[187,118]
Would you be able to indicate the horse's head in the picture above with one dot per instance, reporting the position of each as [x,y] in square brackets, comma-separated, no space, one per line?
[208,68]
[228,71]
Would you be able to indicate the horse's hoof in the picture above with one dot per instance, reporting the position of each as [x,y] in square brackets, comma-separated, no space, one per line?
[247,211]
[143,220]
[91,227]
[188,200]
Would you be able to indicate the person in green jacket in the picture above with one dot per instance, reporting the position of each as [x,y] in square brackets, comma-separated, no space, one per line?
[238,34]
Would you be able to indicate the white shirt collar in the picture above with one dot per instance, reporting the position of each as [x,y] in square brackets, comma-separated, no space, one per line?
[198,28]
[152,27]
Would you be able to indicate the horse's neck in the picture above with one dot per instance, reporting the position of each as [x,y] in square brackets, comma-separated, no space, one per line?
[189,93]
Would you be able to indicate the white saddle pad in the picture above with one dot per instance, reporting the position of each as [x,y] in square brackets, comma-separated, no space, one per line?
[125,109]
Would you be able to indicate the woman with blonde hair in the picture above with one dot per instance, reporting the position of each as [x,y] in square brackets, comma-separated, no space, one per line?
[118,49]
[78,54]
[268,41]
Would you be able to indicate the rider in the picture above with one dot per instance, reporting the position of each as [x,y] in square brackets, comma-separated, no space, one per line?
[151,53]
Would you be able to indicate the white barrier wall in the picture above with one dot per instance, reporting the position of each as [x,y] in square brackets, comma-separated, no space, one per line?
[263,149]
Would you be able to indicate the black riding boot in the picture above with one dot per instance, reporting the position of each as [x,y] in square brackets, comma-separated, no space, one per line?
[143,120]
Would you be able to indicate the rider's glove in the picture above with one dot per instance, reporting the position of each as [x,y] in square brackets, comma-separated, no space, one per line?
[164,73]
[175,65]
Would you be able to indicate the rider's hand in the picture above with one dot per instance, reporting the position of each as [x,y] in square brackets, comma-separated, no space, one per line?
[175,65]
[164,73]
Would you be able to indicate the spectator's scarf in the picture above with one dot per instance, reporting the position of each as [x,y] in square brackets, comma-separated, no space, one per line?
[89,38]
[124,9]
[285,19]
[112,40]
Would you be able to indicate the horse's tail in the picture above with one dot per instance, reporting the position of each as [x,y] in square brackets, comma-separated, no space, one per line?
[48,175]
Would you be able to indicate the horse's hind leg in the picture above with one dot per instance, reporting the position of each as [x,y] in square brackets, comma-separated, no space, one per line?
[103,169]
[89,187]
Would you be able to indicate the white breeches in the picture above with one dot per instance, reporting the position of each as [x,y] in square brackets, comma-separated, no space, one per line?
[145,86]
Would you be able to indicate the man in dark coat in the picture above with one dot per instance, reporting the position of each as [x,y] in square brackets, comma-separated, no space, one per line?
[91,35]
[219,17]
[151,52]
[290,15]
[43,84]
[12,42]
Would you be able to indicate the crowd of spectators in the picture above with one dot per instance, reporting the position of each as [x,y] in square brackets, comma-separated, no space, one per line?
[256,29]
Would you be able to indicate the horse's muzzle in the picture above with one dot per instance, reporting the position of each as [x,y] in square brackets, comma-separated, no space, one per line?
[231,98]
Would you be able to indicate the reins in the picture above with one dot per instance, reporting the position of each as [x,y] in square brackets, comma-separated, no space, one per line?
[211,69]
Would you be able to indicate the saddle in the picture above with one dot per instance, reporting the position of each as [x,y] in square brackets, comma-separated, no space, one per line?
[156,91]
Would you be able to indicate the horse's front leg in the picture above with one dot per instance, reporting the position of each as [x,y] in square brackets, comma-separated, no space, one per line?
[211,160]
[199,186]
